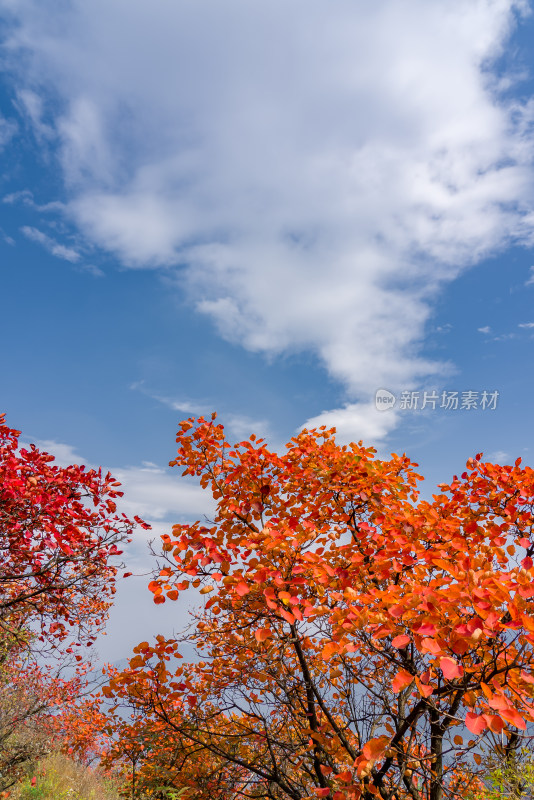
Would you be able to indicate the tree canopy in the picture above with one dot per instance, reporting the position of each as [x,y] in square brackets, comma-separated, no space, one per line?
[356,641]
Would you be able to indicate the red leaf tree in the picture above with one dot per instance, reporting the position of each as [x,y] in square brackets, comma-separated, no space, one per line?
[59,533]
[356,641]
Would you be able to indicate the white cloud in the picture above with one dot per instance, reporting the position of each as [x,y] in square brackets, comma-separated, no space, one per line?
[156,494]
[150,491]
[161,498]
[25,197]
[237,426]
[8,128]
[32,107]
[191,407]
[7,239]
[53,247]
[357,421]
[64,454]
[530,281]
[485,329]
[498,457]
[526,325]
[315,170]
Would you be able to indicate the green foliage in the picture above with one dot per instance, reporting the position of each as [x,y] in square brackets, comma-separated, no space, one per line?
[61,778]
[510,778]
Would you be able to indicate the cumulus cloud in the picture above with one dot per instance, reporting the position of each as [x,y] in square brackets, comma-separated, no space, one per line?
[50,244]
[314,172]
[357,421]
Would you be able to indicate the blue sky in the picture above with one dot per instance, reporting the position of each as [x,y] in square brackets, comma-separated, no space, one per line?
[270,210]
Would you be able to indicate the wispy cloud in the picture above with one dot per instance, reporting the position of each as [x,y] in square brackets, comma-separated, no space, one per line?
[504,337]
[530,281]
[526,325]
[25,197]
[316,195]
[8,129]
[22,196]
[498,457]
[32,107]
[53,247]
[238,426]
[486,329]
[190,407]
[7,239]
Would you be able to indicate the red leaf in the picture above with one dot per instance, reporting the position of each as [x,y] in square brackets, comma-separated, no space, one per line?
[475,723]
[450,668]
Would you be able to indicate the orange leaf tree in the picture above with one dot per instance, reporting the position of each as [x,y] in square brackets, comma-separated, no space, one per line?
[356,641]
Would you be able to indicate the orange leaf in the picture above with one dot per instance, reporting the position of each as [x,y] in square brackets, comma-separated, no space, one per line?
[495,723]
[431,646]
[262,634]
[375,748]
[401,641]
[242,588]
[287,616]
[512,716]
[401,680]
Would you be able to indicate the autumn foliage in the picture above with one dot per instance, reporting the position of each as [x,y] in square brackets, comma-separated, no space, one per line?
[356,641]
[59,532]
